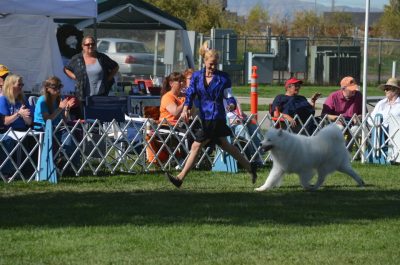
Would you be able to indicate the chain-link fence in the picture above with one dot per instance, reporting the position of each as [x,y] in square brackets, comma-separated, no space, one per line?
[381,55]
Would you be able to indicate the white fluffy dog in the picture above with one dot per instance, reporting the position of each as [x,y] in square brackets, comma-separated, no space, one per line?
[323,154]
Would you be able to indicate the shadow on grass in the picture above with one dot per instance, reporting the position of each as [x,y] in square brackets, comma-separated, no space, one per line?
[227,208]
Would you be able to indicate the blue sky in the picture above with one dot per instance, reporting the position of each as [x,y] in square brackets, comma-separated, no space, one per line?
[352,3]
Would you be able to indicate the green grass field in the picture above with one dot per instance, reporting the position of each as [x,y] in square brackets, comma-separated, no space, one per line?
[215,218]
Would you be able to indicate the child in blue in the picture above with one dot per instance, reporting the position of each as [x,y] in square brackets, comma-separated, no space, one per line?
[50,106]
[211,86]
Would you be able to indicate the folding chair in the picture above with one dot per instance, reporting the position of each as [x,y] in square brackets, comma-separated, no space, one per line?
[32,101]
[163,141]
[277,118]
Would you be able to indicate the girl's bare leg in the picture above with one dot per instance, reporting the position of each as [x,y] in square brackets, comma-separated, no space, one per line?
[233,151]
[194,151]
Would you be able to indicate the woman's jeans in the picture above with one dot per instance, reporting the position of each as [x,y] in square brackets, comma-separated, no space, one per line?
[7,143]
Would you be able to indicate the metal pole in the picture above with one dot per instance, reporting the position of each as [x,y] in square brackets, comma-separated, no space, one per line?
[379,60]
[228,49]
[155,63]
[394,69]
[223,53]
[338,61]
[365,73]
[245,78]
[269,36]
[201,43]
[245,43]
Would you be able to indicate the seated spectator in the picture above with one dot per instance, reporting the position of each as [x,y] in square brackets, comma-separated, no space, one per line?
[291,104]
[244,128]
[3,74]
[50,106]
[171,98]
[389,108]
[2,124]
[16,113]
[170,110]
[390,105]
[8,143]
[13,104]
[347,102]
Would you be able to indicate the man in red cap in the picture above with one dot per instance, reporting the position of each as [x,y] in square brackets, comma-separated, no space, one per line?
[291,104]
[347,101]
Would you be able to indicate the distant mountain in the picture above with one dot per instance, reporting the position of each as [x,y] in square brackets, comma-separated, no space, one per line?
[285,8]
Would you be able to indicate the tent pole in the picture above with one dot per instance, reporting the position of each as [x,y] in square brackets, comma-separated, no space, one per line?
[95,28]
[155,54]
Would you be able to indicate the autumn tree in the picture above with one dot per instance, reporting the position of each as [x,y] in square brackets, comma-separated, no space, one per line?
[338,24]
[256,22]
[207,17]
[306,23]
[198,16]
[390,20]
[280,26]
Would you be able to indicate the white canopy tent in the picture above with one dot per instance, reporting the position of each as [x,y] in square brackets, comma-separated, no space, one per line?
[51,8]
[140,15]
[28,37]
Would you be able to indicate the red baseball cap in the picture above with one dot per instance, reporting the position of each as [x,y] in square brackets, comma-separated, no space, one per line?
[293,80]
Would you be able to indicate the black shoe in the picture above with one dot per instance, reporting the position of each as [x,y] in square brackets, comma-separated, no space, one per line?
[253,172]
[174,180]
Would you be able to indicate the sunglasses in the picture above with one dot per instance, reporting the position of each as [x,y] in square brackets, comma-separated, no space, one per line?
[388,89]
[54,86]
[89,44]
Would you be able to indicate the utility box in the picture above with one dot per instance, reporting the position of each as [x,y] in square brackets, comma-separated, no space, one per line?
[329,64]
[297,55]
[265,66]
